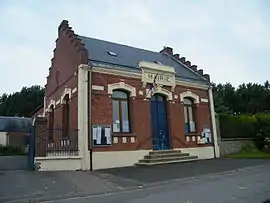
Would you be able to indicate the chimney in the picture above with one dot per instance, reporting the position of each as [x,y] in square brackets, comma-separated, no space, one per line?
[182,59]
[207,77]
[176,56]
[200,72]
[194,67]
[167,50]
[187,63]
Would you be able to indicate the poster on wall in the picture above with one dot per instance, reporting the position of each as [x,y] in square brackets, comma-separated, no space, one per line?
[192,126]
[206,136]
[101,135]
[125,126]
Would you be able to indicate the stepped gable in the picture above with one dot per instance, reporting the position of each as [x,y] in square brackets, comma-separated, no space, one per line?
[79,46]
[169,52]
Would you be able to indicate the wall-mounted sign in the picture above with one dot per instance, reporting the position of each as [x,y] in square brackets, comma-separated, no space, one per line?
[165,74]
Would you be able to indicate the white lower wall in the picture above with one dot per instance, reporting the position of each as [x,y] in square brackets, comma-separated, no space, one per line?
[114,159]
[201,152]
[59,163]
[3,139]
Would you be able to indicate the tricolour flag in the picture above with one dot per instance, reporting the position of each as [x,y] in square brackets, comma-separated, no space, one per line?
[153,86]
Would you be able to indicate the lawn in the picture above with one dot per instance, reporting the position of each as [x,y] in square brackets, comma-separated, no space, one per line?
[251,155]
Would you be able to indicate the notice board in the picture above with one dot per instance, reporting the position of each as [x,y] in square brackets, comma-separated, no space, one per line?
[101,135]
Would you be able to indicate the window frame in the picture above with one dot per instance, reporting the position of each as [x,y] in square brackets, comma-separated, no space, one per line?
[51,125]
[66,117]
[193,109]
[119,103]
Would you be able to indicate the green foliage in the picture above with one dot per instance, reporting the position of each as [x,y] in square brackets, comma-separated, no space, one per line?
[11,150]
[21,103]
[237,126]
[262,136]
[247,98]
[256,127]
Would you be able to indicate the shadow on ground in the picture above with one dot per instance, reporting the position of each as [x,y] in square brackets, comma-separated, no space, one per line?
[152,174]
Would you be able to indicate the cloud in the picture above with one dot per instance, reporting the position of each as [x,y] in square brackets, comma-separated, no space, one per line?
[225,38]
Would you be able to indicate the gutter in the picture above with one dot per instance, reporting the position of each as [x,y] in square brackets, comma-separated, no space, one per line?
[213,121]
[89,113]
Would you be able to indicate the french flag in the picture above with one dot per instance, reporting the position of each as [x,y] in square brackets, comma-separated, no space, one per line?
[153,86]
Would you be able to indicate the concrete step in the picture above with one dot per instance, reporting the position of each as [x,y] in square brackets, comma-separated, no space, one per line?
[165,162]
[176,154]
[169,151]
[164,159]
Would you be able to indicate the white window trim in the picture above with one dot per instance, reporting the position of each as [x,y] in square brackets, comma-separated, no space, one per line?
[161,91]
[51,104]
[67,91]
[189,94]
[122,85]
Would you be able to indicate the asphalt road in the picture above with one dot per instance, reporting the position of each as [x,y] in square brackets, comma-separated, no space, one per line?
[250,185]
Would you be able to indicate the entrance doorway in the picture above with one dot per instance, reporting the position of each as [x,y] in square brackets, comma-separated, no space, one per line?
[160,135]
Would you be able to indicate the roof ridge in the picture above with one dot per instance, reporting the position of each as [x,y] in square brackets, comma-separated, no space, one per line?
[120,44]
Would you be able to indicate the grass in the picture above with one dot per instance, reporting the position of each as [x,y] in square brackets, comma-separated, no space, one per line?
[250,155]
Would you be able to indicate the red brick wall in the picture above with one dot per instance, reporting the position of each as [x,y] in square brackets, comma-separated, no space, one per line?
[68,55]
[140,114]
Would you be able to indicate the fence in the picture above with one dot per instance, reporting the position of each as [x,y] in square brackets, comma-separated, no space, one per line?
[59,142]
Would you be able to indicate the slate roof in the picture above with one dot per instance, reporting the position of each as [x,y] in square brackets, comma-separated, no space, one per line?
[130,57]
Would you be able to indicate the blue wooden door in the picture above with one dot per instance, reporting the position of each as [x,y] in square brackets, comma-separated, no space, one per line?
[160,135]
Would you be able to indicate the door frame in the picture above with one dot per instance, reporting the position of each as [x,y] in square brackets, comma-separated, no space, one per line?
[165,101]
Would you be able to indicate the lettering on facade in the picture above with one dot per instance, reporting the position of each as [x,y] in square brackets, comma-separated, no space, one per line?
[165,74]
[161,78]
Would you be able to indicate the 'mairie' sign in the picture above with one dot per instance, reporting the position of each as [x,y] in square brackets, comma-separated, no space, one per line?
[166,74]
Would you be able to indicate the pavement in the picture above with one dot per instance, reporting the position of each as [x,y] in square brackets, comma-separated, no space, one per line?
[13,162]
[134,184]
[250,185]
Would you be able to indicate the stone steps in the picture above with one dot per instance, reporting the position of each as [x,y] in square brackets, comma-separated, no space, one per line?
[166,157]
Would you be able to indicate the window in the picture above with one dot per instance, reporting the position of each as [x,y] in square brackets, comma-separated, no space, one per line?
[65,117]
[112,53]
[121,112]
[189,115]
[51,124]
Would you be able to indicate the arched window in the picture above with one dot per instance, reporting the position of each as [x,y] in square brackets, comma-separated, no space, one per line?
[189,115]
[65,117]
[121,111]
[51,124]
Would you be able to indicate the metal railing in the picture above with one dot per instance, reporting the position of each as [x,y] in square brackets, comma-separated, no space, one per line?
[59,142]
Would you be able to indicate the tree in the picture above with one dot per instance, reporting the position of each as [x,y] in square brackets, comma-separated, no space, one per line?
[21,103]
[246,98]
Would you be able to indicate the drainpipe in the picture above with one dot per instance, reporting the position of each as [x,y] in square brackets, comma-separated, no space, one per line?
[89,107]
[213,120]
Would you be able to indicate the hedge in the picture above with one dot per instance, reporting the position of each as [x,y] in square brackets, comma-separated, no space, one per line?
[256,127]
[237,126]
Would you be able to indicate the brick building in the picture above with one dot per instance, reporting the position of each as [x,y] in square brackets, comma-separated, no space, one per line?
[103,89]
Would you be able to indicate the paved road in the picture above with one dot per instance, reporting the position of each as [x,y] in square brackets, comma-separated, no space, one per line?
[22,186]
[242,186]
[13,162]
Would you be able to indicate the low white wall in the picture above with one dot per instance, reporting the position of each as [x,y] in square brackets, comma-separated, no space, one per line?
[201,152]
[3,139]
[110,159]
[114,159]
[59,163]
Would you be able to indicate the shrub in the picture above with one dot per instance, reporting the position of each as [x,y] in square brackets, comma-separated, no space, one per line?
[262,136]
[11,150]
